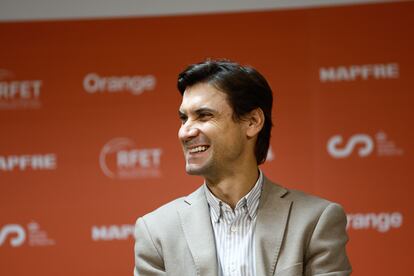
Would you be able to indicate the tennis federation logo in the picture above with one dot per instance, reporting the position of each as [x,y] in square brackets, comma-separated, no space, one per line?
[120,158]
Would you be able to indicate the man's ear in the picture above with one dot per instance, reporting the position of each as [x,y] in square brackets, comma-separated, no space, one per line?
[255,121]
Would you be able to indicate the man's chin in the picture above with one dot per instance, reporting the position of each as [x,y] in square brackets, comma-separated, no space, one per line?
[194,170]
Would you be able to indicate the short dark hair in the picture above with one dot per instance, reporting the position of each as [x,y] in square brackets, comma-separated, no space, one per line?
[246,90]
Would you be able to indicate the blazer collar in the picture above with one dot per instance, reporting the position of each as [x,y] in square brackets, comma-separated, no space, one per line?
[272,216]
[198,231]
[270,227]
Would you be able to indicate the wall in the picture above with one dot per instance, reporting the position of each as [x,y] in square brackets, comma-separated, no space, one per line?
[88,116]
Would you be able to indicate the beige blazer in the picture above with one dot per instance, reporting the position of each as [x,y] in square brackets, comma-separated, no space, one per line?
[296,234]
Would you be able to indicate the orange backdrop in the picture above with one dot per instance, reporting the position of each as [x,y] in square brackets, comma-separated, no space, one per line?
[88,116]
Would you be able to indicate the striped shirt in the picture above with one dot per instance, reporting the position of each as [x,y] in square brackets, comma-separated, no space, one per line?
[234,232]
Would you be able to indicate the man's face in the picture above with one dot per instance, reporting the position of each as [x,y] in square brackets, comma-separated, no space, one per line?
[213,143]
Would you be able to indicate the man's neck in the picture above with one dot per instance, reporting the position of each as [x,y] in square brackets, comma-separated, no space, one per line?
[232,187]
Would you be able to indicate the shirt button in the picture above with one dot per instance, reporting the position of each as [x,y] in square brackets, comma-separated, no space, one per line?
[233,229]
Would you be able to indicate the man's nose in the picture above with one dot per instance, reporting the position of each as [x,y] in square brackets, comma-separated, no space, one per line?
[187,132]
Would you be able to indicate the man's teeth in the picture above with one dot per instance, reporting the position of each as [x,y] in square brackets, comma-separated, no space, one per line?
[198,149]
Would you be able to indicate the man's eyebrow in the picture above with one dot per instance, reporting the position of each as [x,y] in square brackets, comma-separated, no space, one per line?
[205,109]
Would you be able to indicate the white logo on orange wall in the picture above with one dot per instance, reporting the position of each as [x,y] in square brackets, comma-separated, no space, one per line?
[338,150]
[17,235]
[17,94]
[112,232]
[94,83]
[359,72]
[25,162]
[363,144]
[120,158]
[381,222]
[270,154]
[15,232]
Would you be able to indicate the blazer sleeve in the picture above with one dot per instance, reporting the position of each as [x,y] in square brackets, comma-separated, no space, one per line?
[326,254]
[148,259]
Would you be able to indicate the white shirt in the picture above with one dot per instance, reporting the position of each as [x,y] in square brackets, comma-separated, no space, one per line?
[234,231]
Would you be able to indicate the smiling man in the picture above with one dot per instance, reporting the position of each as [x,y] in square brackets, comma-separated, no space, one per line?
[238,222]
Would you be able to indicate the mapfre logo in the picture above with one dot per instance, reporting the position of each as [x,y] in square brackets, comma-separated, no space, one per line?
[359,72]
[112,232]
[28,162]
[19,94]
[16,235]
[94,83]
[363,144]
[381,222]
[121,159]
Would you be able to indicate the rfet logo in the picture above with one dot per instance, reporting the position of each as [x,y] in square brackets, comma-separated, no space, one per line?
[363,144]
[16,94]
[17,235]
[94,83]
[120,158]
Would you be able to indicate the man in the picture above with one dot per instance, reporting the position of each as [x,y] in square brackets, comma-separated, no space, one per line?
[238,222]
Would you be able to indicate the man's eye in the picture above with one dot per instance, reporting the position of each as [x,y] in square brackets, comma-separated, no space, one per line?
[205,115]
[183,119]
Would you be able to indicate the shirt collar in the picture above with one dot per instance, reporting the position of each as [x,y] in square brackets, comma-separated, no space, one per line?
[251,200]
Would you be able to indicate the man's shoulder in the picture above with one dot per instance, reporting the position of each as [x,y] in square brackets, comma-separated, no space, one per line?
[307,199]
[169,211]
[306,209]
[165,211]
[162,220]
[302,200]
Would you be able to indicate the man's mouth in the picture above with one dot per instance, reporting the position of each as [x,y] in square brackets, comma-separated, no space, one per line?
[198,149]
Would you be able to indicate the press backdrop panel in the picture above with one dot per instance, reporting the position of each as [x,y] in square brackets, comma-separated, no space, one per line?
[88,116]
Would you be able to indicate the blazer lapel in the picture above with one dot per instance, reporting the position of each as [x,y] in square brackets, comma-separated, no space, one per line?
[198,231]
[271,222]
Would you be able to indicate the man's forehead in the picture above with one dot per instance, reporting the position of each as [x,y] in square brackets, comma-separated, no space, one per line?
[202,96]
